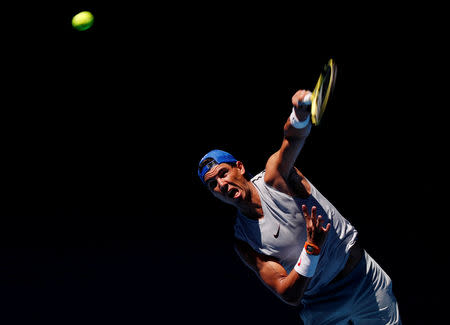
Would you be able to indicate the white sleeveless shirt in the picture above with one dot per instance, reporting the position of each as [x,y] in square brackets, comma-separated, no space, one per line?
[281,233]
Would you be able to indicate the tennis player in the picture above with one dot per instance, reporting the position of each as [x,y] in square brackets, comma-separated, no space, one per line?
[297,242]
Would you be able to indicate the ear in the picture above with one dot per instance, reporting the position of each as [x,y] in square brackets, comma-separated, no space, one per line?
[241,167]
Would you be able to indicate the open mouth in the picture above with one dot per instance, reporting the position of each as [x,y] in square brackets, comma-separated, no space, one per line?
[233,193]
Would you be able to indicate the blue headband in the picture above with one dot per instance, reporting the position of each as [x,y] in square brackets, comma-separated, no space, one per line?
[219,157]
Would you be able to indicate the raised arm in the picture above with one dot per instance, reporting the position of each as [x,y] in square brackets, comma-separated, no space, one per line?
[280,165]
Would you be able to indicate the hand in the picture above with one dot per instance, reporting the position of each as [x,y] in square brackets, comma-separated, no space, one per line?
[298,97]
[316,234]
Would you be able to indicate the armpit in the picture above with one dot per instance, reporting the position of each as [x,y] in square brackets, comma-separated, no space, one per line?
[298,184]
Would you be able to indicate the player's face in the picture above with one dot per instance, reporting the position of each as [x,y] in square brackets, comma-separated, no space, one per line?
[227,182]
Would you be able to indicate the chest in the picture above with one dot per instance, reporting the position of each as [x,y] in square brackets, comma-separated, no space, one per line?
[282,234]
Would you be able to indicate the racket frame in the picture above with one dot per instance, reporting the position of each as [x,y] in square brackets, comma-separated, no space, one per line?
[317,104]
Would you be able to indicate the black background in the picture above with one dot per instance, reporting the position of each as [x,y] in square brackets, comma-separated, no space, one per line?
[103,218]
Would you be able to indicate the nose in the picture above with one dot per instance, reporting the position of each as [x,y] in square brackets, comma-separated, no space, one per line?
[223,187]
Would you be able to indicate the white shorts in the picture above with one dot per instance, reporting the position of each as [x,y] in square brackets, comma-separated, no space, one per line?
[364,297]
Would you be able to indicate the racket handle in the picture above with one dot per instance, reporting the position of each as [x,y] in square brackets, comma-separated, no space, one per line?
[300,118]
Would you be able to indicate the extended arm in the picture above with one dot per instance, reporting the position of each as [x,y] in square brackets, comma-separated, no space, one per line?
[281,163]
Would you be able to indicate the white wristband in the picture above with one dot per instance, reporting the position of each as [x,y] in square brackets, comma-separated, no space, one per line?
[307,264]
[296,123]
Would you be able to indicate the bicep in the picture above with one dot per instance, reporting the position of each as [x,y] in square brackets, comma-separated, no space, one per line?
[288,287]
[268,270]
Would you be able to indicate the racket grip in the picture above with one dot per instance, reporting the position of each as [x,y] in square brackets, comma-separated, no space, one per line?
[300,117]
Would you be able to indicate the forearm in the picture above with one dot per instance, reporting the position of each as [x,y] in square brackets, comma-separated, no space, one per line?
[289,287]
[297,132]
[292,287]
[293,142]
[296,129]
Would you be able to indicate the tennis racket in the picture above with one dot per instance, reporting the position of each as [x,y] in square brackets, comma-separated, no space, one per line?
[322,91]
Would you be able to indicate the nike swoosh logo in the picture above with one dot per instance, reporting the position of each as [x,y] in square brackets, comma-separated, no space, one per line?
[278,232]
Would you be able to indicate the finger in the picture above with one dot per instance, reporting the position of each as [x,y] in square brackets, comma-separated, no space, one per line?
[307,92]
[299,95]
[305,211]
[320,221]
[314,215]
[327,229]
[303,94]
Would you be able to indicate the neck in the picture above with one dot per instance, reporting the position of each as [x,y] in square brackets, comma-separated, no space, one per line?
[252,208]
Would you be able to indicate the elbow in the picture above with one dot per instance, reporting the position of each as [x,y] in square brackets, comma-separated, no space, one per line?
[289,296]
[291,300]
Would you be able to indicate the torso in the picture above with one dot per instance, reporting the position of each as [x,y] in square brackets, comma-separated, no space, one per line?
[282,208]
[296,186]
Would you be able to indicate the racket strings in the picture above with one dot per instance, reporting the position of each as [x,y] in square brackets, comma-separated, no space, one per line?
[323,91]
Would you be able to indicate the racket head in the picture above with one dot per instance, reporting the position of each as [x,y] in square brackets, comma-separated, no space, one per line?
[323,91]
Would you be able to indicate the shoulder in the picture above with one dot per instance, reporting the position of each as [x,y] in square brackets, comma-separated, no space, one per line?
[294,183]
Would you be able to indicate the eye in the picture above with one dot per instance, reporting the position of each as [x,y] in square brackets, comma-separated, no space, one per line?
[212,184]
[223,173]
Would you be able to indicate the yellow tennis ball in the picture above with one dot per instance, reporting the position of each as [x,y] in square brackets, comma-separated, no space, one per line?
[83,20]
